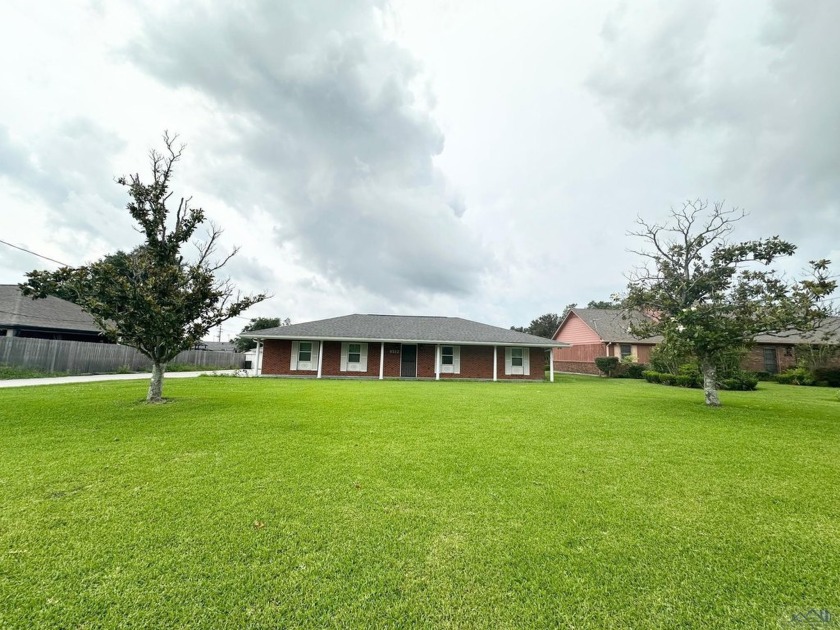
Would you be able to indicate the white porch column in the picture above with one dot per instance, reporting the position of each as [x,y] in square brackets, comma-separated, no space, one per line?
[381,360]
[551,365]
[437,362]
[320,357]
[258,358]
[495,363]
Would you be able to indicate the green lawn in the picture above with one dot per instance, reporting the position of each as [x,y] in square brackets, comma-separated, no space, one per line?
[587,503]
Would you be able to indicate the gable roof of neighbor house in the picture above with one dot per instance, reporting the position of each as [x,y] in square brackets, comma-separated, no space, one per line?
[828,332]
[401,328]
[50,313]
[610,324]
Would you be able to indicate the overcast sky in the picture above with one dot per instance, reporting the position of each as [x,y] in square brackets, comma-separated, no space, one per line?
[474,158]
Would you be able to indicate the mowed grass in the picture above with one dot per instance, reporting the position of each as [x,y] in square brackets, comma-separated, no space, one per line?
[588,503]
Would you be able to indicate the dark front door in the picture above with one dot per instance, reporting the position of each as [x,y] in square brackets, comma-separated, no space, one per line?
[771,364]
[409,362]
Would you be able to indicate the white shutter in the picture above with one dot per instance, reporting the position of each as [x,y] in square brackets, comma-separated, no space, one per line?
[456,359]
[316,349]
[507,361]
[295,349]
[343,366]
[526,356]
[363,358]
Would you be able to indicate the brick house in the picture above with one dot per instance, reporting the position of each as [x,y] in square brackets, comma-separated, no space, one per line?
[777,353]
[598,332]
[594,332]
[399,346]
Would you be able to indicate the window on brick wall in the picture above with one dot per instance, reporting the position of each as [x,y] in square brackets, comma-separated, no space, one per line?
[517,361]
[626,350]
[304,355]
[450,359]
[354,357]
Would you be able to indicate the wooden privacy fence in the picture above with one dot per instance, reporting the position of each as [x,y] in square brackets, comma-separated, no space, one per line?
[84,357]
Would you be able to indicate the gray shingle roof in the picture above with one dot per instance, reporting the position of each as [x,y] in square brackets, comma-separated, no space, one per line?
[399,328]
[829,332]
[51,313]
[611,324]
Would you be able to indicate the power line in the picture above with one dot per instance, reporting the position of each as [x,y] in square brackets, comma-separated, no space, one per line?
[35,254]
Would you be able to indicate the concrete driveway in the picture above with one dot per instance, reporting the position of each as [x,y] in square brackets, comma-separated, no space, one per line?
[92,378]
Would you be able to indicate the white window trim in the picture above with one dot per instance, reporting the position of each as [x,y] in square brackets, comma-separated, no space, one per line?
[455,366]
[307,366]
[517,370]
[361,365]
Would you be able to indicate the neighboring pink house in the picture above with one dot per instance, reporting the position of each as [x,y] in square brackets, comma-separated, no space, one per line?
[597,332]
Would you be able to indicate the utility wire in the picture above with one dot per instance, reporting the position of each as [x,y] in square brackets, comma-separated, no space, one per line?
[35,254]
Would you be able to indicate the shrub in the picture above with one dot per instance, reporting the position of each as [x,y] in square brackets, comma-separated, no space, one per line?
[689,374]
[683,380]
[634,370]
[607,365]
[831,376]
[668,379]
[651,376]
[668,357]
[796,376]
[743,382]
[763,376]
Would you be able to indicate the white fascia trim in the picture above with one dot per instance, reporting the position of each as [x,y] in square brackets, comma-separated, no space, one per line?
[445,342]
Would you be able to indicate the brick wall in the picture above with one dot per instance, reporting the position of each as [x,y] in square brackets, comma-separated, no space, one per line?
[785,358]
[476,361]
[577,367]
[277,356]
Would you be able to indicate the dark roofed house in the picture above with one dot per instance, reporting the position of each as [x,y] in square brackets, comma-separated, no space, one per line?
[216,346]
[777,353]
[48,318]
[400,346]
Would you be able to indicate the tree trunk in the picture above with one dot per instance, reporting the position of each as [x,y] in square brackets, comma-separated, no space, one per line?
[156,384]
[710,383]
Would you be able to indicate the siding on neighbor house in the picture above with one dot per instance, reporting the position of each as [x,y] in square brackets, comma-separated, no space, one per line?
[585,353]
[476,362]
[577,332]
[639,351]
